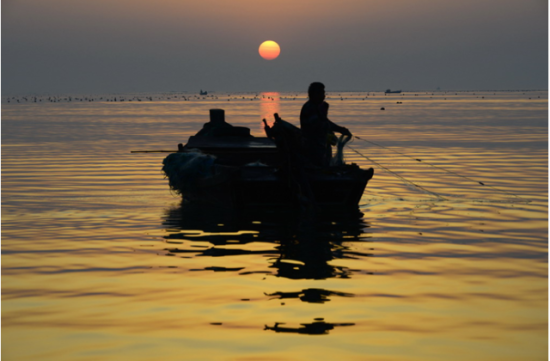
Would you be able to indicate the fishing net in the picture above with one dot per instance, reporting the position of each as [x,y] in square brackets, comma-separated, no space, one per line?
[338,158]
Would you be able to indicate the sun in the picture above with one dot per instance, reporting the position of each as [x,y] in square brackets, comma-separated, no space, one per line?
[269,50]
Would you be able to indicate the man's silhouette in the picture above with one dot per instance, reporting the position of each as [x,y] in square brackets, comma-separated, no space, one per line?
[317,129]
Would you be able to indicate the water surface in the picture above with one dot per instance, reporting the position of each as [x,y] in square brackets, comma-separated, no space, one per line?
[445,258]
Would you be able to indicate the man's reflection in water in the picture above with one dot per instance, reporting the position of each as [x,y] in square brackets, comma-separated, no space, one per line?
[302,249]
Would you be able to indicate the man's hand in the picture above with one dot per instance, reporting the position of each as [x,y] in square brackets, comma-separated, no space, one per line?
[345,131]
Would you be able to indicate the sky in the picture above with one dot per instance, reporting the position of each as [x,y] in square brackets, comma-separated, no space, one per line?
[115,46]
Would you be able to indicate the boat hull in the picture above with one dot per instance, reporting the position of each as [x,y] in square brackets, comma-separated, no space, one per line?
[236,172]
[249,187]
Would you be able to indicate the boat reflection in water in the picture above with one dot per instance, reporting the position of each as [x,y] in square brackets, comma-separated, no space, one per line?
[297,247]
[318,327]
[294,247]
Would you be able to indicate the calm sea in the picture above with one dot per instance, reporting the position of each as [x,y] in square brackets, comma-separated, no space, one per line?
[446,258]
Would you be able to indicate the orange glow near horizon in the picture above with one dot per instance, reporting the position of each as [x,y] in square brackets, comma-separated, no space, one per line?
[269,50]
[269,105]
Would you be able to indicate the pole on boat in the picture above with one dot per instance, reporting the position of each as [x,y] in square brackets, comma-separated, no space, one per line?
[154,151]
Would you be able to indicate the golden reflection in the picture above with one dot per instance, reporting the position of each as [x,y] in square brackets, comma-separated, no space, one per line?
[269,104]
[101,261]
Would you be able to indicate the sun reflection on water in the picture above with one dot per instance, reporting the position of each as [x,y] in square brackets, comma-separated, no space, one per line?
[269,105]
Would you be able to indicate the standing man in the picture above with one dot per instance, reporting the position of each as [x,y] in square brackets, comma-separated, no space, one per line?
[317,128]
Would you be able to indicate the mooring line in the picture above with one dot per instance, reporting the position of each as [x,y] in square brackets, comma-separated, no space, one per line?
[397,175]
[443,169]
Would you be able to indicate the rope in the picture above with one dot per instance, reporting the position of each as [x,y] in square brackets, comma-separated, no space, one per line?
[397,175]
[443,169]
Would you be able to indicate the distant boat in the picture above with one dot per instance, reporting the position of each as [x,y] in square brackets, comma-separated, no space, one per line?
[203,92]
[389,91]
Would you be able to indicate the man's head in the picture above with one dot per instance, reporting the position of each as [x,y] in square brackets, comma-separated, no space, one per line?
[316,92]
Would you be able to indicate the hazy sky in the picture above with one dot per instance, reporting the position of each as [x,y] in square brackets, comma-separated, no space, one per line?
[91,46]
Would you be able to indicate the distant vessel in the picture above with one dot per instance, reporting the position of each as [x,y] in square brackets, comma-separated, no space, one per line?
[203,92]
[389,91]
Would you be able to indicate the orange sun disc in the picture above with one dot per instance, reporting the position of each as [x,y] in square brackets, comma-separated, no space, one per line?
[269,50]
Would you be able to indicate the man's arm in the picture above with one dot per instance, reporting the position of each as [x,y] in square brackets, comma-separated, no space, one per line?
[336,128]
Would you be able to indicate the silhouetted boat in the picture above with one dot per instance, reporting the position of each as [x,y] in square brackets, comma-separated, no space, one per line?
[243,171]
[389,91]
